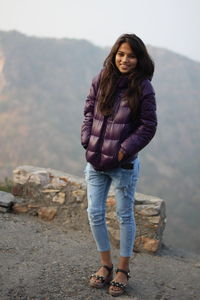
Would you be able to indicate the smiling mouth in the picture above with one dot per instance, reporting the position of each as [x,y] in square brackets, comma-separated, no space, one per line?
[124,66]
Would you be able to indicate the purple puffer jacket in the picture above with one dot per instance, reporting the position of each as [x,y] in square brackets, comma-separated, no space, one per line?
[103,137]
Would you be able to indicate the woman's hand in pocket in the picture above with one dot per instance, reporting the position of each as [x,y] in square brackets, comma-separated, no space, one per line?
[120,155]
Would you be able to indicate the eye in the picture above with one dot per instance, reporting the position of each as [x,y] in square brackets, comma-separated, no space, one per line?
[120,53]
[132,56]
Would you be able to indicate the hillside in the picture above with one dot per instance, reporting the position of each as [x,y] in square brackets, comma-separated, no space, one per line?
[43,86]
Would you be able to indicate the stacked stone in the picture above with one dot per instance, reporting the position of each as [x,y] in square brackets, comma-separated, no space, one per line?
[150,221]
[49,193]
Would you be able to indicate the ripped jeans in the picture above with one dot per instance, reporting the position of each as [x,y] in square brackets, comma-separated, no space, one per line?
[124,183]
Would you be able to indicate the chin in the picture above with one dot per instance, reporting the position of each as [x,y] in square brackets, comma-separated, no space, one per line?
[125,72]
[122,71]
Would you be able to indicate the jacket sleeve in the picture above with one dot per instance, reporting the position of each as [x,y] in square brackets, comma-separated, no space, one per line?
[89,112]
[147,123]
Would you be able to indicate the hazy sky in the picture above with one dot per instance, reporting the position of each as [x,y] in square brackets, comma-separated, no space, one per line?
[172,24]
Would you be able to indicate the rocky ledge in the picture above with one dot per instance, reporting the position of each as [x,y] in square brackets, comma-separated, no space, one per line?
[61,198]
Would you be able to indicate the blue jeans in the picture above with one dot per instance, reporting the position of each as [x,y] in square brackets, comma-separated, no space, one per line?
[98,184]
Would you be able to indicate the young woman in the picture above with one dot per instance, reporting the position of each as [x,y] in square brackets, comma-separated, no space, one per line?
[119,121]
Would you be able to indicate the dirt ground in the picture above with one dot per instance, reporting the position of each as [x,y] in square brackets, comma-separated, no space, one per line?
[40,261]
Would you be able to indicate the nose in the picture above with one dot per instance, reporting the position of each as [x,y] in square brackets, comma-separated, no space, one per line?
[125,58]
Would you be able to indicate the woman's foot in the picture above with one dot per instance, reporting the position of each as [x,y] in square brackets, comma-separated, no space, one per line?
[119,283]
[103,276]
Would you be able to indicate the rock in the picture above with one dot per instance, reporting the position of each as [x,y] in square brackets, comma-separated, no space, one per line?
[47,213]
[171,287]
[24,174]
[155,219]
[59,198]
[58,183]
[111,201]
[18,189]
[197,265]
[147,244]
[50,191]
[20,176]
[147,210]
[4,209]
[39,177]
[33,205]
[78,195]
[6,202]
[20,208]
[111,217]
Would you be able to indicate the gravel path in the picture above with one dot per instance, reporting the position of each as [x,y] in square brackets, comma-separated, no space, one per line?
[39,261]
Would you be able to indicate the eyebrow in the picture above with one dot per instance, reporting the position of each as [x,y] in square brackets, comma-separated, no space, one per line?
[121,52]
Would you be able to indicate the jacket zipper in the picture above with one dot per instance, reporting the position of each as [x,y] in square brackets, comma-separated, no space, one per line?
[105,120]
[116,106]
[102,135]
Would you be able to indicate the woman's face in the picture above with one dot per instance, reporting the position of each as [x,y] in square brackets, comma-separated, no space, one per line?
[125,59]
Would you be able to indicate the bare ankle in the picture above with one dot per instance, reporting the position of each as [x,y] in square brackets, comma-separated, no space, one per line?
[107,263]
[106,258]
[124,263]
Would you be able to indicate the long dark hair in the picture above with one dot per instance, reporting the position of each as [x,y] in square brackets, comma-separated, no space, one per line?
[110,75]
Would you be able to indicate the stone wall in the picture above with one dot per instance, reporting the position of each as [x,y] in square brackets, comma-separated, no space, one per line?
[61,198]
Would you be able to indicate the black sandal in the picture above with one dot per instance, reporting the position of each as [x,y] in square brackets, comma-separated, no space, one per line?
[120,285]
[102,280]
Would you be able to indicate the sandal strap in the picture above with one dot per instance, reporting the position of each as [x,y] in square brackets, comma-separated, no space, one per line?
[109,269]
[103,278]
[98,277]
[127,273]
[118,284]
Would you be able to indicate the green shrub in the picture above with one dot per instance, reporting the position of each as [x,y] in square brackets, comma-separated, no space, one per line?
[6,185]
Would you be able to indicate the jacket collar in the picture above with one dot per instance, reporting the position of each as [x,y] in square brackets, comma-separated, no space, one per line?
[123,82]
